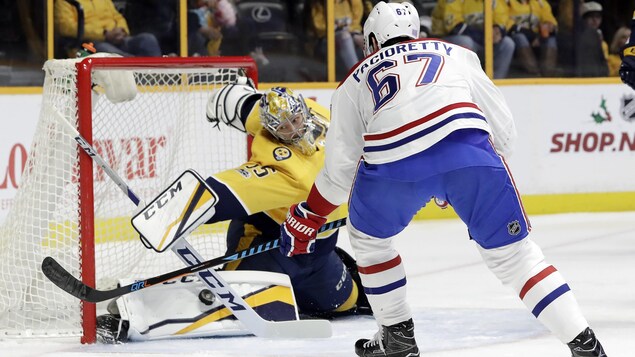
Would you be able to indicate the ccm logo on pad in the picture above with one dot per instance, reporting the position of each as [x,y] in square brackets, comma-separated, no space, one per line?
[161,201]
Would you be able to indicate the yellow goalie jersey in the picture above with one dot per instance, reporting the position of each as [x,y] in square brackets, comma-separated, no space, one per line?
[275,177]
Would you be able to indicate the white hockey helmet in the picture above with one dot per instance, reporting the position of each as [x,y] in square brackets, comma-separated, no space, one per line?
[288,119]
[387,21]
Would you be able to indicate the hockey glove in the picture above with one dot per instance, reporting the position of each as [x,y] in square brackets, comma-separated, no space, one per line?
[627,70]
[299,231]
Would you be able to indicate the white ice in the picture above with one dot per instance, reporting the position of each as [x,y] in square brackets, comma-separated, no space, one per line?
[460,309]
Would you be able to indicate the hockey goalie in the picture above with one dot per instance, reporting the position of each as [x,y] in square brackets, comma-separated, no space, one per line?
[287,152]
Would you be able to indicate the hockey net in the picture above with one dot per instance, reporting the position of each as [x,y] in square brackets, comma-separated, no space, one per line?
[68,208]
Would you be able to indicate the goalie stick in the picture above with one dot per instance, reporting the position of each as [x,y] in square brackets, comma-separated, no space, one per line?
[67,282]
[229,297]
[90,150]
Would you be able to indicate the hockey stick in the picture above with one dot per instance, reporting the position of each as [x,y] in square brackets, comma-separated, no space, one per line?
[90,150]
[223,291]
[67,282]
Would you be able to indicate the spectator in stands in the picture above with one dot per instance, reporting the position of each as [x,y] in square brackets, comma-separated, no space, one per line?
[620,38]
[533,27]
[438,20]
[590,49]
[348,32]
[206,20]
[105,27]
[464,22]
[158,17]
[565,36]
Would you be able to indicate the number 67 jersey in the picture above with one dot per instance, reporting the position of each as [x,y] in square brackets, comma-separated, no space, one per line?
[403,99]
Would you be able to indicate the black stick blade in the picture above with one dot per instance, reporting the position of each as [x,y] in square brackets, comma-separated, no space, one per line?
[65,281]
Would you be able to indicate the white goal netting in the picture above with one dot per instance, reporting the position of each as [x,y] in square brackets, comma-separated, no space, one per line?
[148,141]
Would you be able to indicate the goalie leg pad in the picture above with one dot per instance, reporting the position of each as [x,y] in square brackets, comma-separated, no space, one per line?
[175,309]
[321,281]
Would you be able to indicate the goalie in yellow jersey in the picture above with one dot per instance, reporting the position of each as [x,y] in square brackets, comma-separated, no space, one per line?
[286,154]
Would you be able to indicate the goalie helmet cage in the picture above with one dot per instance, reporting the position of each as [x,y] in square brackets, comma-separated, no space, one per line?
[68,208]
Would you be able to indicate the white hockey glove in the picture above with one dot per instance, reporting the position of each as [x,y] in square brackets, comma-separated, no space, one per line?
[226,103]
[119,85]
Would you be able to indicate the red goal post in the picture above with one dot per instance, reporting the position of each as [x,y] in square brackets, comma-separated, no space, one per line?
[68,208]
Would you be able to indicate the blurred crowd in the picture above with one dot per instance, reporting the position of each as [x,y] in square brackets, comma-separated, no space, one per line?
[288,39]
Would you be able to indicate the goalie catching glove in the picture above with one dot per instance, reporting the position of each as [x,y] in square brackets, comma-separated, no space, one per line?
[299,231]
[226,103]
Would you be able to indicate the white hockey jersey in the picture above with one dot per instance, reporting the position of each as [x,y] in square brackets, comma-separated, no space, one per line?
[402,100]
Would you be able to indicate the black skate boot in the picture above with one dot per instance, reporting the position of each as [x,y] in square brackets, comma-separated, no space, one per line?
[586,345]
[396,340]
[111,329]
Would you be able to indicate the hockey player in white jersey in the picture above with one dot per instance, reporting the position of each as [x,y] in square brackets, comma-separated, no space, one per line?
[419,118]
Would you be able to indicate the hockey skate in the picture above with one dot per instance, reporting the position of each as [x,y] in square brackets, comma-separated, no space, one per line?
[586,345]
[396,340]
[111,329]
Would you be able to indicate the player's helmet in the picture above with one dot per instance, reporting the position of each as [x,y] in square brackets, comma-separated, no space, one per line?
[388,21]
[289,120]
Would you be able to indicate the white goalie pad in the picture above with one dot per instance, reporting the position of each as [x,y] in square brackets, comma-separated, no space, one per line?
[177,211]
[119,85]
[176,309]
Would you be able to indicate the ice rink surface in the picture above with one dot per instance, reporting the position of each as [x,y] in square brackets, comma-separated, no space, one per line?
[460,309]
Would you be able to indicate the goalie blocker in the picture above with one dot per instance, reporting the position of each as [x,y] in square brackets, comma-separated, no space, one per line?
[177,211]
[185,308]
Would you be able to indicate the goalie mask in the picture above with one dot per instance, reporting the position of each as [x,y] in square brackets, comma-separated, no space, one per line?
[388,21]
[289,120]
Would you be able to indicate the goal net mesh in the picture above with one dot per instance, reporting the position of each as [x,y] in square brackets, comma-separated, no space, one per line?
[149,141]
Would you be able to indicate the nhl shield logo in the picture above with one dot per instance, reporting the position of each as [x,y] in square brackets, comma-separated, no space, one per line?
[513,228]
[627,107]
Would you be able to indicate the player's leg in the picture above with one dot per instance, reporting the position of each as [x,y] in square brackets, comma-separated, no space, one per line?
[374,219]
[321,281]
[324,288]
[487,201]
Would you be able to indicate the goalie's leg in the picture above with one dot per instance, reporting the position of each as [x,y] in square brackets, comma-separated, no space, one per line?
[322,283]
